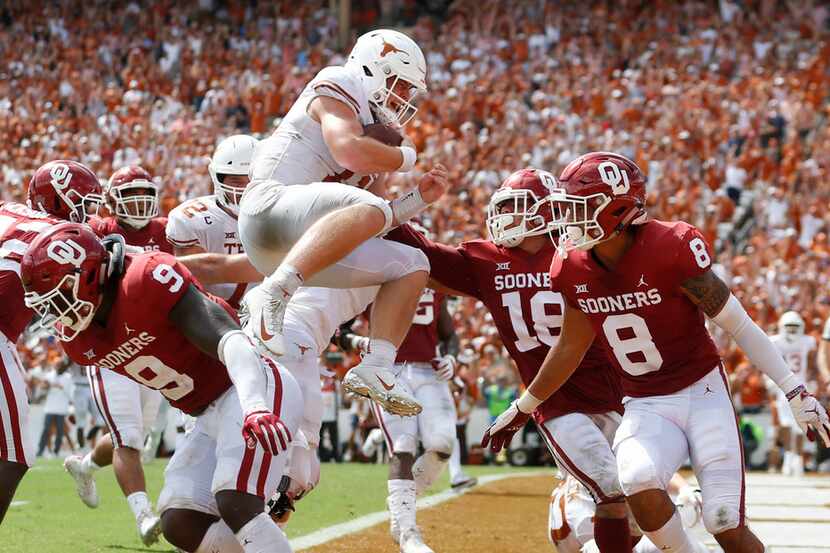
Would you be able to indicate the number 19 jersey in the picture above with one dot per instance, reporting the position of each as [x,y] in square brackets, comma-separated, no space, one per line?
[515,288]
[652,331]
[140,342]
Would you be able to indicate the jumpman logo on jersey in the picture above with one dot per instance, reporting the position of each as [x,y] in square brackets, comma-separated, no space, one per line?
[89,354]
[708,390]
[128,329]
[642,281]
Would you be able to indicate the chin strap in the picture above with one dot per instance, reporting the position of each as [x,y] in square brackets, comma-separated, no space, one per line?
[117,248]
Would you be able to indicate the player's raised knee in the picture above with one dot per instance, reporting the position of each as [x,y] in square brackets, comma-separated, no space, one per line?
[720,516]
[440,443]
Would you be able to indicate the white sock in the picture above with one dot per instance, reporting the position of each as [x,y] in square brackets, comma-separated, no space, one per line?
[139,502]
[454,464]
[381,352]
[219,537]
[798,464]
[262,535]
[672,538]
[402,503]
[426,470]
[285,280]
[787,466]
[88,464]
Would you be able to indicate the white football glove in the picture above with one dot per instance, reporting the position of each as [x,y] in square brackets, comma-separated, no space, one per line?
[359,343]
[444,367]
[690,505]
[810,414]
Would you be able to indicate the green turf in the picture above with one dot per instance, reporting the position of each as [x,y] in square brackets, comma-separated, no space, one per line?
[53,519]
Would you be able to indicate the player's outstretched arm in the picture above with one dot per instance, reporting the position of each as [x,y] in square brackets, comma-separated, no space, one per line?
[351,148]
[218,268]
[714,298]
[211,329]
[561,362]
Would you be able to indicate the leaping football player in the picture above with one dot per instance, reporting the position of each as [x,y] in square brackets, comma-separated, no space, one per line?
[642,288]
[145,317]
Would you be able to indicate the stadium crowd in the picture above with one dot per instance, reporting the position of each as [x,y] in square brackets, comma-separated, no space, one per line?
[726,114]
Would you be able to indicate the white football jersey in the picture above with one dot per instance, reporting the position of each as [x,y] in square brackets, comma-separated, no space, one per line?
[794,350]
[296,153]
[205,223]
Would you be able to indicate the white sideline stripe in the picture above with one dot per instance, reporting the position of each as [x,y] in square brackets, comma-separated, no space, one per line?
[345,528]
[18,503]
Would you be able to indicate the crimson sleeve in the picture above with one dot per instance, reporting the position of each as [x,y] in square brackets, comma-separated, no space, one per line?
[158,283]
[694,256]
[450,266]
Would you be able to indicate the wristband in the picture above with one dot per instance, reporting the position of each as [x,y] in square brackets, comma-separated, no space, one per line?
[407,206]
[410,156]
[791,386]
[528,403]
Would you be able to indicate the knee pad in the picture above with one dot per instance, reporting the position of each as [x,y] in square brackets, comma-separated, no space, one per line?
[720,515]
[406,443]
[636,472]
[439,443]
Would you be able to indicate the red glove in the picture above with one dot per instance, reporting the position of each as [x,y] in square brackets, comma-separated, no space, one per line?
[501,431]
[266,428]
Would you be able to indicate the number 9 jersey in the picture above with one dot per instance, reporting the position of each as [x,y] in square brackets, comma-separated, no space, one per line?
[653,332]
[141,342]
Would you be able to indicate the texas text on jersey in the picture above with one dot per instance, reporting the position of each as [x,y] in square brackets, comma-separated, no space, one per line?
[19,226]
[421,341]
[515,287]
[150,237]
[655,335]
[207,224]
[139,340]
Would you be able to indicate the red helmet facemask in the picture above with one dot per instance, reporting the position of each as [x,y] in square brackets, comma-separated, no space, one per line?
[521,207]
[63,273]
[65,189]
[604,193]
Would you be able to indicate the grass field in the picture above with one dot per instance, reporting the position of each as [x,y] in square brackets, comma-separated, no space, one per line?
[48,517]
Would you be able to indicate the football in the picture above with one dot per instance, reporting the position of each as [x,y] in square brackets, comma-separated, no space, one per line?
[383,133]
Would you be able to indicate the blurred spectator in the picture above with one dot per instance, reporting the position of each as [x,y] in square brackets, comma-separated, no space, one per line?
[58,383]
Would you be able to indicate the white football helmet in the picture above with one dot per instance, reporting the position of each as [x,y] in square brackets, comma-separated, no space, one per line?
[232,157]
[381,55]
[791,324]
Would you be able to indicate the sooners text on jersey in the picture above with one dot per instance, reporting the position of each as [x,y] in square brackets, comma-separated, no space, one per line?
[140,342]
[515,287]
[655,335]
[421,341]
[151,237]
[19,226]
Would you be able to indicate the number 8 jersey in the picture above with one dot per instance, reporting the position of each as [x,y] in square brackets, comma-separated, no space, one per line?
[140,342]
[655,335]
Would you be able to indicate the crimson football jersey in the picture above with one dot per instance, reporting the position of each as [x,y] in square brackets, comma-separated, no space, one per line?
[653,333]
[140,342]
[19,226]
[152,237]
[515,287]
[421,341]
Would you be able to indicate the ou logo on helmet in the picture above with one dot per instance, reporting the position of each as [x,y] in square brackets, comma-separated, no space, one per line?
[66,252]
[61,176]
[614,177]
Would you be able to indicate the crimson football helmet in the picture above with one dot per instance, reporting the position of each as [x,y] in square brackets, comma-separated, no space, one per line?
[65,189]
[63,274]
[604,193]
[132,196]
[521,207]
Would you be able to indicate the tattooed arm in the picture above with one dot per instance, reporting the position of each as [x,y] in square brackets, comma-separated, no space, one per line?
[714,298]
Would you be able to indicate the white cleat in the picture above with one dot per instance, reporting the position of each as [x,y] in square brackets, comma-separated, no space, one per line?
[464,483]
[412,542]
[262,315]
[380,385]
[149,527]
[84,481]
